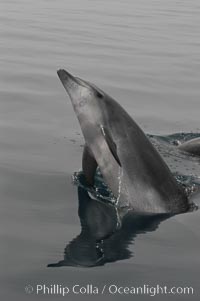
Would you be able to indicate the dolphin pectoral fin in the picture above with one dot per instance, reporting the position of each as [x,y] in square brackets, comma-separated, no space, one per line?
[89,165]
[111,144]
[191,146]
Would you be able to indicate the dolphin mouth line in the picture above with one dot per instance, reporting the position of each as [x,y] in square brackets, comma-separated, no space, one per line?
[64,75]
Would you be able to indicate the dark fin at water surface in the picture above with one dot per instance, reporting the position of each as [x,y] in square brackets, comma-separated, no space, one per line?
[111,144]
[191,146]
[89,165]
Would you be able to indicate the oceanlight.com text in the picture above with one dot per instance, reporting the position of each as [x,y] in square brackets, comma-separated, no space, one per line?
[109,289]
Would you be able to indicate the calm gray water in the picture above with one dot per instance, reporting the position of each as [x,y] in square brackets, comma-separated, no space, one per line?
[146,55]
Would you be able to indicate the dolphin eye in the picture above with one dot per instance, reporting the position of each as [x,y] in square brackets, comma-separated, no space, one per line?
[99,95]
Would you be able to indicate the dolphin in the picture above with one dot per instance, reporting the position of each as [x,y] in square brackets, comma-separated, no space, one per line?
[130,165]
[192,146]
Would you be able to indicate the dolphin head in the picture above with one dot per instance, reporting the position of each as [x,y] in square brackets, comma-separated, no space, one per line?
[94,109]
[85,97]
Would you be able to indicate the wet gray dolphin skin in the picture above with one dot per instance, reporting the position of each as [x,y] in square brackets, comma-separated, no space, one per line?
[191,146]
[129,163]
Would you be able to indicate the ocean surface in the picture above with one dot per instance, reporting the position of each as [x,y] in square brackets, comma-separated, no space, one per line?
[146,55]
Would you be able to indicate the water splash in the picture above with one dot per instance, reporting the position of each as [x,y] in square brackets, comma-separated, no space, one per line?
[120,175]
[100,191]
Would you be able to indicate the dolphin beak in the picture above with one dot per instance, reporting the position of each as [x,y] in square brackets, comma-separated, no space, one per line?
[69,82]
[65,76]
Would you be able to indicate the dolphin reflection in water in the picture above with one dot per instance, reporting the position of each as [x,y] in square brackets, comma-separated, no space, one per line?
[106,232]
